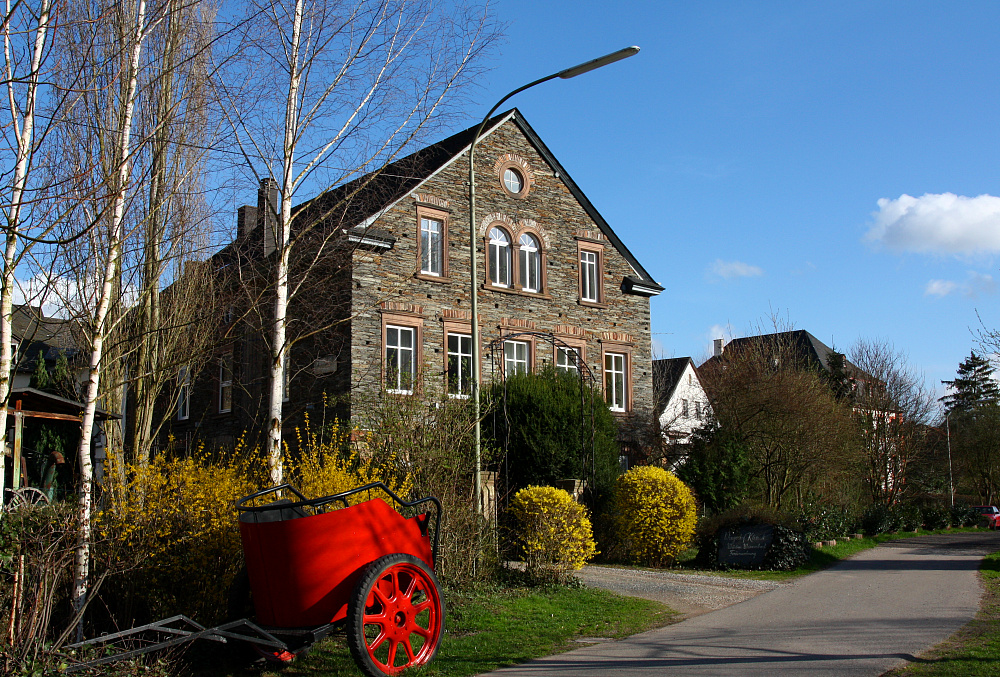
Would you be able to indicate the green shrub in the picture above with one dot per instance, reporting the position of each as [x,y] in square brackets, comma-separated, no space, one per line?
[551,532]
[789,547]
[825,522]
[908,516]
[879,519]
[536,419]
[962,515]
[653,516]
[935,516]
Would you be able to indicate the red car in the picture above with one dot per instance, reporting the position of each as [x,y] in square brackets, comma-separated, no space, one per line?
[991,514]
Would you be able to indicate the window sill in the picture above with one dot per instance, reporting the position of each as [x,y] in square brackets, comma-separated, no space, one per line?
[592,304]
[392,391]
[516,292]
[427,277]
[456,396]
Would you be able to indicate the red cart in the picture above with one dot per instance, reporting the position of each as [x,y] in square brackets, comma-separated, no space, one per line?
[311,566]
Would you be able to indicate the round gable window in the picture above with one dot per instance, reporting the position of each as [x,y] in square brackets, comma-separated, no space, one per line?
[513,181]
[514,174]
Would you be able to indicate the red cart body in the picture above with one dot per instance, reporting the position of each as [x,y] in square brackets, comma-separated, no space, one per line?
[303,568]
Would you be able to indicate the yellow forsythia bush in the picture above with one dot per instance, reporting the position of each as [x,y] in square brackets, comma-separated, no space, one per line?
[550,530]
[654,516]
[171,523]
[330,463]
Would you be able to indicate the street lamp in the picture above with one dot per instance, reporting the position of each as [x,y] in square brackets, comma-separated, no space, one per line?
[565,74]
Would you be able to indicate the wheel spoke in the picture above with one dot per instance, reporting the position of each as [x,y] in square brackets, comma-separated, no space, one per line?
[410,588]
[417,608]
[391,661]
[409,651]
[423,632]
[377,642]
[380,596]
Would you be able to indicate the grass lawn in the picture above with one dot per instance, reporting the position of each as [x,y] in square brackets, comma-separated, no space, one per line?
[975,649]
[491,629]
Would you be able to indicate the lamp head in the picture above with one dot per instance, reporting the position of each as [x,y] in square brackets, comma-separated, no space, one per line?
[598,62]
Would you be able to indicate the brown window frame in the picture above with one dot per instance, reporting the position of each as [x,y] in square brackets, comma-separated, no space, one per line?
[430,213]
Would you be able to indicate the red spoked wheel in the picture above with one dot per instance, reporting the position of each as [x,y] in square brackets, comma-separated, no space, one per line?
[395,617]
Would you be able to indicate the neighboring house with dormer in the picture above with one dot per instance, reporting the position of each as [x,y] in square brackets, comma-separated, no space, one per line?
[557,286]
[35,334]
[681,403]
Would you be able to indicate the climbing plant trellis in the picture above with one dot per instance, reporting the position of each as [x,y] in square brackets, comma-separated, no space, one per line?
[499,367]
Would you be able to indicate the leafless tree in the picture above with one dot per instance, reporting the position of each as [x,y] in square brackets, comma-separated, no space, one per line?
[893,407]
[337,89]
[767,397]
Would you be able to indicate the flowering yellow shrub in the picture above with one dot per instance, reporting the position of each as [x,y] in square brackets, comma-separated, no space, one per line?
[655,515]
[172,521]
[551,531]
[331,463]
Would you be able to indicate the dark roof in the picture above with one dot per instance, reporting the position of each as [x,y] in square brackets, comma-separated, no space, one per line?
[354,204]
[801,342]
[666,377]
[37,333]
[33,400]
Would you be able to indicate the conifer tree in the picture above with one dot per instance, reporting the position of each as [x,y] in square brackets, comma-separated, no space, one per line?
[973,387]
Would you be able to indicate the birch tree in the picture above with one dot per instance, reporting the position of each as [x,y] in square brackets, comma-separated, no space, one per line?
[345,87]
[106,45]
[27,40]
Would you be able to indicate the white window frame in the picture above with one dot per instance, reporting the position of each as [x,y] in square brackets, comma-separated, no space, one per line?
[226,383]
[463,362]
[394,372]
[431,246]
[530,263]
[564,363]
[590,276]
[512,363]
[616,380]
[183,393]
[500,248]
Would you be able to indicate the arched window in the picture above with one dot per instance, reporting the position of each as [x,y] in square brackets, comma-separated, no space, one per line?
[500,258]
[530,263]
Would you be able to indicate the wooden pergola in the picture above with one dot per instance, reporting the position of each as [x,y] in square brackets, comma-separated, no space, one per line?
[32,403]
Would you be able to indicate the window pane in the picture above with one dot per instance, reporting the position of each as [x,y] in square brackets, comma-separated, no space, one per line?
[614,381]
[564,360]
[459,364]
[400,358]
[499,253]
[431,246]
[515,357]
[512,180]
[588,276]
[530,261]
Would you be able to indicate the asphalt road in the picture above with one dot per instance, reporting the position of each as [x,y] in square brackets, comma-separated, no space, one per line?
[862,617]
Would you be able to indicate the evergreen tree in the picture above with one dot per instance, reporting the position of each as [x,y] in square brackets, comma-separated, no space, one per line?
[40,377]
[973,388]
[838,377]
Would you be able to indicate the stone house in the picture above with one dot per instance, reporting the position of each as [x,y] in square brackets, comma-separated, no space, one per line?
[556,286]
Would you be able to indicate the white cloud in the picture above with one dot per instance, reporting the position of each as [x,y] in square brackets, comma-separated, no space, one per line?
[940,288]
[730,269]
[938,223]
[975,285]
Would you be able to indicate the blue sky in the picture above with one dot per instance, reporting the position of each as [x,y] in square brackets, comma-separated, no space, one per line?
[829,163]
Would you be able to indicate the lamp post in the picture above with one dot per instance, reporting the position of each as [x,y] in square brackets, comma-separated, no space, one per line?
[474,275]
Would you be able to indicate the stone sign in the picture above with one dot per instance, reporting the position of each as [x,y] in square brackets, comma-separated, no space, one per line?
[745,546]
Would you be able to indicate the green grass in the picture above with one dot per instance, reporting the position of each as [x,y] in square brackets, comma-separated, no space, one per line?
[492,629]
[974,650]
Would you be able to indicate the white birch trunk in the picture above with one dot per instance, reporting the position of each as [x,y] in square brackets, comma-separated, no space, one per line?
[283,245]
[23,124]
[81,568]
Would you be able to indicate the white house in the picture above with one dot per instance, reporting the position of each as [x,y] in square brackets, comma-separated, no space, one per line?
[681,403]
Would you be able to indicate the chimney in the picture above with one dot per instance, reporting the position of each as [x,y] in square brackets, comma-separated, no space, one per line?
[246,219]
[268,206]
[718,346]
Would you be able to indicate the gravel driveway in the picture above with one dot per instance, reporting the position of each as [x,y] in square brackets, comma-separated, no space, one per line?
[688,594]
